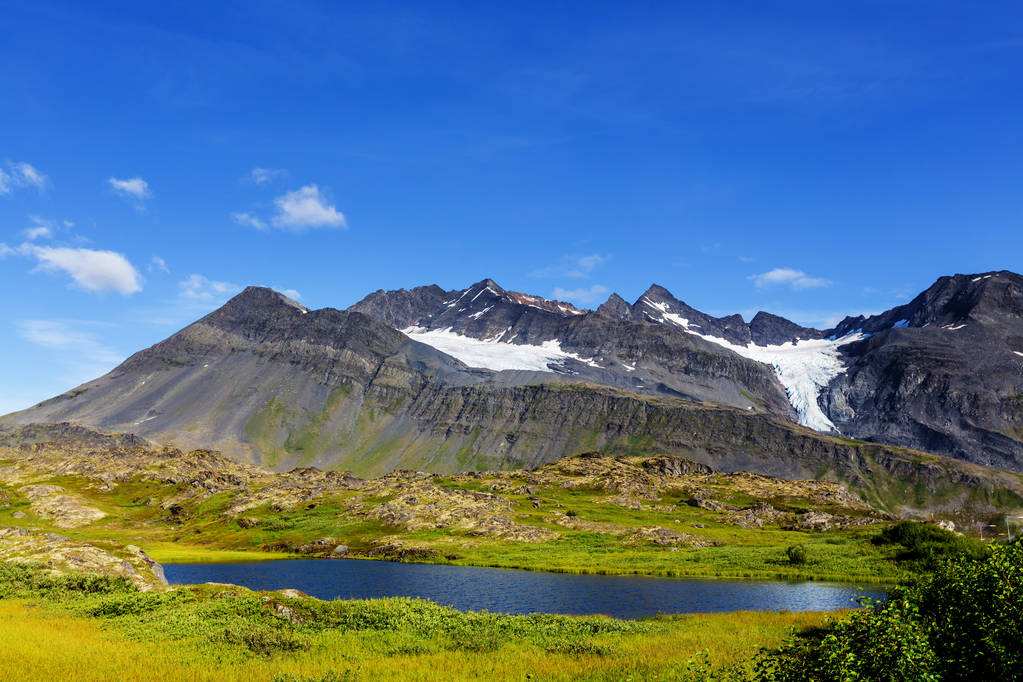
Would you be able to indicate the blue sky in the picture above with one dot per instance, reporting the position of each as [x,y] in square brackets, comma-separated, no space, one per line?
[802,158]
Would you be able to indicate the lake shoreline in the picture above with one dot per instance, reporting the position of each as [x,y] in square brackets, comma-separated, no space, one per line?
[513,591]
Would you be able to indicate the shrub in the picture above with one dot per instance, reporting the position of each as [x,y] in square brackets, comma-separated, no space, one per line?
[927,544]
[974,615]
[796,554]
[962,622]
[267,641]
[882,642]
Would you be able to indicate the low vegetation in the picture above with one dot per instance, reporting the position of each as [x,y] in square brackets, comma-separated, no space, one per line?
[79,529]
[591,514]
[959,622]
[962,621]
[109,630]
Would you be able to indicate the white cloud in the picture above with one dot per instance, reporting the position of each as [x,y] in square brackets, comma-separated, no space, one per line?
[746,259]
[306,208]
[794,279]
[82,352]
[264,176]
[157,263]
[29,175]
[290,293]
[90,269]
[248,220]
[202,289]
[584,295]
[135,189]
[38,232]
[18,174]
[196,296]
[575,266]
[41,229]
[6,250]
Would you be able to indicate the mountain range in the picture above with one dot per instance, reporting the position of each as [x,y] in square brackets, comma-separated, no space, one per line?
[485,378]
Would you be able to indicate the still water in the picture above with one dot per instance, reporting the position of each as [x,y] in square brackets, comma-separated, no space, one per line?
[512,591]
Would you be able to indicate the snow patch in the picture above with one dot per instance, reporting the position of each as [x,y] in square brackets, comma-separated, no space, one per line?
[804,367]
[953,328]
[481,313]
[493,354]
[1018,353]
[481,292]
[667,315]
[977,279]
[901,324]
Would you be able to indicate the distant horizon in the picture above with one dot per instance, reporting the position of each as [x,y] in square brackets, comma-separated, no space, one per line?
[811,161]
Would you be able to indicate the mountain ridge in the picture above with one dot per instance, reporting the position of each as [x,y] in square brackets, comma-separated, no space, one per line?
[486,376]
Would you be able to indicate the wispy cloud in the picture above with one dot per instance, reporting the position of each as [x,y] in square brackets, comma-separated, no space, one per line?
[582,295]
[294,294]
[306,208]
[89,269]
[574,266]
[84,355]
[197,287]
[135,190]
[18,174]
[38,232]
[248,220]
[46,228]
[158,264]
[265,176]
[788,277]
[196,296]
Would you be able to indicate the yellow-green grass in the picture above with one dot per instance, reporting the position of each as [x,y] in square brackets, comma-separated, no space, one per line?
[204,533]
[44,643]
[176,553]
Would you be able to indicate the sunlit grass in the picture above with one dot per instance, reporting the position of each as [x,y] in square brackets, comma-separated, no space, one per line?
[44,642]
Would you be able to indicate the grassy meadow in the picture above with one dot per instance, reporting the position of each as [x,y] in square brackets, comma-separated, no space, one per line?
[108,631]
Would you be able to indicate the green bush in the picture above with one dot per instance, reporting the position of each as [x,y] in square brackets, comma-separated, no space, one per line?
[796,554]
[927,544]
[267,641]
[974,615]
[962,622]
[884,642]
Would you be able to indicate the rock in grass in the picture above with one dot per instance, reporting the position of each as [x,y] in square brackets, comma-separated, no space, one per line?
[61,555]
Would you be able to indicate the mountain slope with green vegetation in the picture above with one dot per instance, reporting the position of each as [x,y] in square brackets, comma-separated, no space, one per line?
[656,515]
[84,514]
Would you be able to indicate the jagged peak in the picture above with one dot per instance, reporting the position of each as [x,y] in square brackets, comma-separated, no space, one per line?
[656,292]
[615,307]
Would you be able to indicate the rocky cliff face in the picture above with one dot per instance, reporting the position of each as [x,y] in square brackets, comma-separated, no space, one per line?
[490,378]
[942,373]
[617,346]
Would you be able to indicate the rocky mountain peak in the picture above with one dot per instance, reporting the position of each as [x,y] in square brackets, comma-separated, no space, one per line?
[767,329]
[487,284]
[255,307]
[994,299]
[615,307]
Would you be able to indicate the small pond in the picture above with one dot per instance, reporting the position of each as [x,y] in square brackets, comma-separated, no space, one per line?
[514,591]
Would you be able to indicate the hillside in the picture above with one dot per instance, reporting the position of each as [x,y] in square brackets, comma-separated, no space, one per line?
[487,378]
